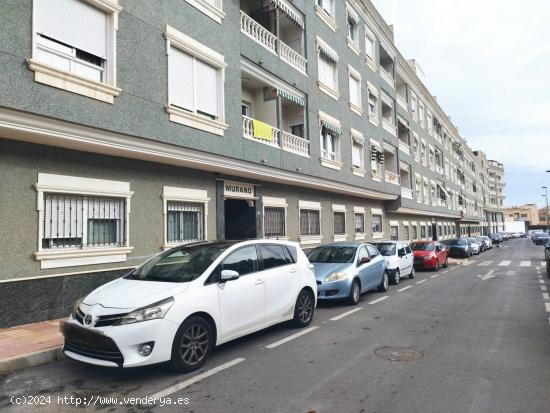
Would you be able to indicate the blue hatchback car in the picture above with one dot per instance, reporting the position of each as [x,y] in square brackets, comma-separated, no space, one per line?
[345,270]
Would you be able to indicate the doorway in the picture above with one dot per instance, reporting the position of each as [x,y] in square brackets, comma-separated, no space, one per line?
[240,219]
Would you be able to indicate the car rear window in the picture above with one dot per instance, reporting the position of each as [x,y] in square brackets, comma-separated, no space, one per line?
[422,246]
[334,254]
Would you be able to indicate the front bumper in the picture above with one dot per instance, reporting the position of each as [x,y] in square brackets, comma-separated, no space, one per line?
[422,263]
[117,346]
[336,290]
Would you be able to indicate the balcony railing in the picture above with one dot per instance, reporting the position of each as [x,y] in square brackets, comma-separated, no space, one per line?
[407,193]
[402,102]
[279,139]
[387,76]
[391,177]
[390,127]
[403,146]
[264,37]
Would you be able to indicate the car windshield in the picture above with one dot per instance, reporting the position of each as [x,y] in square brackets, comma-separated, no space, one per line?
[422,246]
[184,264]
[472,240]
[457,242]
[332,254]
[387,249]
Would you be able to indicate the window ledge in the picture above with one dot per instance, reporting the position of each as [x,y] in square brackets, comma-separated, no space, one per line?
[356,109]
[378,235]
[360,237]
[76,257]
[310,239]
[374,121]
[331,164]
[330,22]
[328,90]
[358,171]
[193,120]
[70,82]
[340,238]
[370,63]
[377,178]
[353,46]
[206,8]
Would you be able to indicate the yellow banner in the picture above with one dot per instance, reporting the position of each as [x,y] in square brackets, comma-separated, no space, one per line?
[262,130]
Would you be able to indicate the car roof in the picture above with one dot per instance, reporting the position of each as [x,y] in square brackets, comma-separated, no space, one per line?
[343,244]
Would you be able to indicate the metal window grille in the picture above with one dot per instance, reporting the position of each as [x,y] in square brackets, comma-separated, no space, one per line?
[309,222]
[423,231]
[406,233]
[359,223]
[414,232]
[185,221]
[339,223]
[376,223]
[394,233]
[274,222]
[76,221]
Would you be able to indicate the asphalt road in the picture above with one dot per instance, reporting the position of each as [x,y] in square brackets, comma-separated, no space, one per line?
[472,338]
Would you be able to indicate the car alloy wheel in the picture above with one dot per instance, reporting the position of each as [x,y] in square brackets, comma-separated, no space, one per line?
[194,345]
[413,273]
[303,312]
[384,284]
[355,292]
[396,277]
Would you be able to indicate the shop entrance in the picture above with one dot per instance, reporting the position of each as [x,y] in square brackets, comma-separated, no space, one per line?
[240,219]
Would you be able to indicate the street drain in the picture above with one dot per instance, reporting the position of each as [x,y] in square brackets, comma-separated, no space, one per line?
[399,354]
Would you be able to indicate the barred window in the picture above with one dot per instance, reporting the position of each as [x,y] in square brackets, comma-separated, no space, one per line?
[394,233]
[185,221]
[423,231]
[406,232]
[430,231]
[274,222]
[359,223]
[339,223]
[309,222]
[376,223]
[414,232]
[76,221]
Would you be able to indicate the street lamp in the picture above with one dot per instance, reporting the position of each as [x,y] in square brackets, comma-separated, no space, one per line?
[547,217]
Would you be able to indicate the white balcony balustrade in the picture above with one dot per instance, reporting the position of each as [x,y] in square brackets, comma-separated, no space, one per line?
[407,193]
[268,40]
[279,139]
[391,177]
[384,74]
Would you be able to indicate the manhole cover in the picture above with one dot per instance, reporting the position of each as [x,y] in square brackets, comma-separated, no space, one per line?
[399,354]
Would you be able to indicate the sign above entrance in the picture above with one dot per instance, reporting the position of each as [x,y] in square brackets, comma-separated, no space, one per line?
[232,189]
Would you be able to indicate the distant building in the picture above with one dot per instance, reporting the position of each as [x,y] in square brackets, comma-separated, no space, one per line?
[527,212]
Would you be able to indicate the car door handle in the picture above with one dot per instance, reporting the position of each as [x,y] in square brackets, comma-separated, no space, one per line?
[293,270]
[259,281]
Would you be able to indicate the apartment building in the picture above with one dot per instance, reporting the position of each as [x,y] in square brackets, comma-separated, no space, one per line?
[128,127]
[527,212]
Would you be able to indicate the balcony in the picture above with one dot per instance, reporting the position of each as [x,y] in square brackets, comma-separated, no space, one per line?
[391,177]
[279,139]
[289,44]
[384,74]
[390,127]
[406,193]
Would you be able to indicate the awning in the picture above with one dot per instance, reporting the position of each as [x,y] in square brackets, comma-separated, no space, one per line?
[328,53]
[293,98]
[331,127]
[290,13]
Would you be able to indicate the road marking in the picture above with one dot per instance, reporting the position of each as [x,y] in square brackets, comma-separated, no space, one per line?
[547,306]
[444,272]
[487,276]
[379,299]
[339,317]
[467,262]
[541,281]
[543,288]
[545,296]
[405,288]
[422,281]
[291,337]
[485,263]
[435,276]
[186,383]
[525,264]
[504,263]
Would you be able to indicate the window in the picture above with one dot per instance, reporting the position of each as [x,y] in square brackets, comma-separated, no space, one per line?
[73,221]
[327,67]
[77,225]
[373,104]
[370,47]
[422,231]
[357,155]
[211,8]
[274,256]
[388,114]
[373,252]
[310,222]
[359,223]
[394,232]
[185,222]
[414,107]
[353,29]
[421,111]
[330,144]
[244,261]
[377,159]
[327,6]
[406,232]
[377,224]
[414,232]
[195,84]
[339,223]
[430,123]
[79,38]
[355,91]
[430,231]
[274,222]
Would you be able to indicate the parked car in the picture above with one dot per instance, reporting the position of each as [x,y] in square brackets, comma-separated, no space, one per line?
[547,256]
[482,245]
[496,239]
[430,254]
[541,238]
[182,302]
[474,244]
[345,270]
[458,248]
[487,242]
[399,259]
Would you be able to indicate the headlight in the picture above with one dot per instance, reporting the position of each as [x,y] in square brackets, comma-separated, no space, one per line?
[150,312]
[335,276]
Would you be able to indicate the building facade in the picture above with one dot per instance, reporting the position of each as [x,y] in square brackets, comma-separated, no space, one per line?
[127,128]
[528,212]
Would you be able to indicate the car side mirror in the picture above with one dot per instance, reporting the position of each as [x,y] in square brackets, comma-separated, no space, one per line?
[228,275]
[364,260]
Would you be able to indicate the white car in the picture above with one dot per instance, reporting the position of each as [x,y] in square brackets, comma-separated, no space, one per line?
[399,259]
[181,303]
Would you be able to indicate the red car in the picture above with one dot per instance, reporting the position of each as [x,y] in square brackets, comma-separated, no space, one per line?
[429,254]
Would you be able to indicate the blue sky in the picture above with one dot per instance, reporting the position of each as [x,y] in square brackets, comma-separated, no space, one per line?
[488,63]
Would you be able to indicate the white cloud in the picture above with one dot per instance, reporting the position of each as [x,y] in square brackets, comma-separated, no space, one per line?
[488,61]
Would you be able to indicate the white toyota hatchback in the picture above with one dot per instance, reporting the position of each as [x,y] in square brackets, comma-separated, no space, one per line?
[181,303]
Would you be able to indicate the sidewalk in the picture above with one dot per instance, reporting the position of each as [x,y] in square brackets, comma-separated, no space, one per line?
[30,345]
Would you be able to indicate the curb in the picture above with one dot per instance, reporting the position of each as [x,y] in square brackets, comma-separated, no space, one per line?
[35,359]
